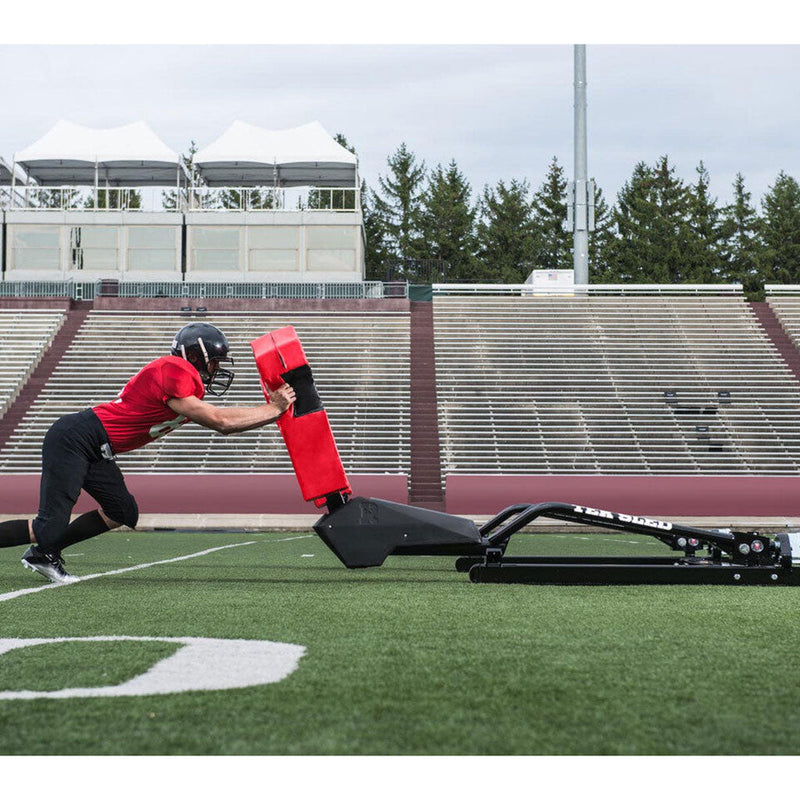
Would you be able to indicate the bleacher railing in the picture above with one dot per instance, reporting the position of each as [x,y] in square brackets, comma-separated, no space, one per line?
[72,289]
[81,290]
[247,291]
[778,288]
[528,289]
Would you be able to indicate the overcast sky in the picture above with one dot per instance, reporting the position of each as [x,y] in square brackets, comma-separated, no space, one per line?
[500,111]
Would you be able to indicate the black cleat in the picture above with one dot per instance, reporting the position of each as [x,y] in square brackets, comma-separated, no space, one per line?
[51,565]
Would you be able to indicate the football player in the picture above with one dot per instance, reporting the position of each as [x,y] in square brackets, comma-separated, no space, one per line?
[79,450]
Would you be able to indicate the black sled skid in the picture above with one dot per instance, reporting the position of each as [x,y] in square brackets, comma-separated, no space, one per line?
[362,532]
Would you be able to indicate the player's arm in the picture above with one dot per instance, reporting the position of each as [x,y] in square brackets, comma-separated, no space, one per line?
[233,419]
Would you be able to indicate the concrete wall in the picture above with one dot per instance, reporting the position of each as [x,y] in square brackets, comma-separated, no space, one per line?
[658,496]
[467,495]
[205,494]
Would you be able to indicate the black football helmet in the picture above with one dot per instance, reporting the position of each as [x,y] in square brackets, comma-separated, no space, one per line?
[200,344]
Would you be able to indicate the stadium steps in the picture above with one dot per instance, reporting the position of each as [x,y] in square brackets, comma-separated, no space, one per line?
[25,336]
[52,351]
[787,310]
[425,482]
[778,335]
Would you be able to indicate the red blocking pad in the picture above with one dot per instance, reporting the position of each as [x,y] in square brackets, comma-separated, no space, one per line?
[305,427]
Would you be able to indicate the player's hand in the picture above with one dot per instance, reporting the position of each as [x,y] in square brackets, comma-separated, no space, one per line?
[282,397]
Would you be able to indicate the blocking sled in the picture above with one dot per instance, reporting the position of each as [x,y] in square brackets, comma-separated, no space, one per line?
[363,532]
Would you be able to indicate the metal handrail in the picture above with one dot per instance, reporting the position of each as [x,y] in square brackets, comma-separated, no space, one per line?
[201,290]
[780,288]
[68,288]
[197,290]
[259,198]
[75,198]
[183,199]
[528,289]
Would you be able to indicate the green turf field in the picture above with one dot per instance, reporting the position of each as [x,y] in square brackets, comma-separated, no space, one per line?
[409,658]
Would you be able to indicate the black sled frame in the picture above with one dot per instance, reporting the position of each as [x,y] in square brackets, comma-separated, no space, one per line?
[362,532]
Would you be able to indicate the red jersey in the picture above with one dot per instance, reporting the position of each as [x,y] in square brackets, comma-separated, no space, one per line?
[141,414]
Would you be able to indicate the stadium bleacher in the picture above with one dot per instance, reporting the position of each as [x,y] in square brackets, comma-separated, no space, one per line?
[600,384]
[611,385]
[24,338]
[360,362]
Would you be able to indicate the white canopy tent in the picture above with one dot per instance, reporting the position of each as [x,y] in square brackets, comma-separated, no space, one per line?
[246,155]
[6,172]
[75,155]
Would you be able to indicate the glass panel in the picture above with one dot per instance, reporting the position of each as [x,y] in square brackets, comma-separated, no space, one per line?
[152,259]
[332,259]
[99,236]
[330,237]
[216,238]
[216,259]
[273,259]
[158,237]
[279,237]
[36,236]
[100,258]
[37,258]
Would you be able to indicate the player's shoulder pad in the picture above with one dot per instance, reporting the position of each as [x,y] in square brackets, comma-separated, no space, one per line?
[179,378]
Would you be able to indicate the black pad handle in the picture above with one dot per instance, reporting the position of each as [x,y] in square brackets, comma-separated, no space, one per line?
[307,400]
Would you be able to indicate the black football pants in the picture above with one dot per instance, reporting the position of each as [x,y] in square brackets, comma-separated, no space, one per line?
[72,460]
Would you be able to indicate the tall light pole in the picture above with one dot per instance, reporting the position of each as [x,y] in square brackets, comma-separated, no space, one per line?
[582,190]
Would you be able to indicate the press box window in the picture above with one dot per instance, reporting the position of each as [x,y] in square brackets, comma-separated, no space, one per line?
[273,248]
[331,247]
[216,248]
[36,247]
[152,248]
[94,247]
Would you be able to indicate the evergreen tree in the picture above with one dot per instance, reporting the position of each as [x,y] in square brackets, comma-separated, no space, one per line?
[400,203]
[377,249]
[447,222]
[741,243]
[553,241]
[704,263]
[600,240]
[652,222]
[671,232]
[632,217]
[506,234]
[780,230]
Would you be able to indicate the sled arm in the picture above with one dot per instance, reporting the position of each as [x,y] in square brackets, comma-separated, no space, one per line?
[679,537]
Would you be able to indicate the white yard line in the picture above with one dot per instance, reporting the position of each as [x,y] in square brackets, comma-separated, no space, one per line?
[33,589]
[292,538]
